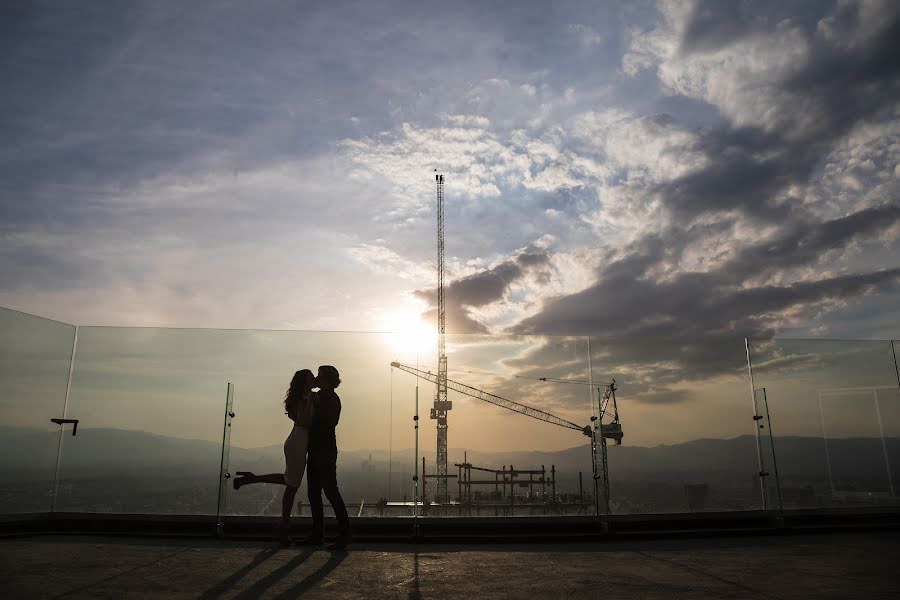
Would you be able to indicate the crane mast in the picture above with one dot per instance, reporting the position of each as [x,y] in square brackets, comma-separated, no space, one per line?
[441,404]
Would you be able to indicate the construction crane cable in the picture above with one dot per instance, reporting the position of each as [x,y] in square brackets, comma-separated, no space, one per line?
[603,409]
[506,403]
[495,374]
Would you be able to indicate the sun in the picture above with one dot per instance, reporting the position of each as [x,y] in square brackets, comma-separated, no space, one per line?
[410,335]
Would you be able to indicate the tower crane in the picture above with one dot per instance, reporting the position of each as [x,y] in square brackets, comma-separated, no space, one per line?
[598,431]
[441,405]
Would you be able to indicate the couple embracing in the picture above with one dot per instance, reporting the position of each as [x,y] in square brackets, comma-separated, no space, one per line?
[311,446]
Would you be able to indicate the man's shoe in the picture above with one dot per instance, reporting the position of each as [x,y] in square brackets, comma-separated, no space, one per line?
[312,540]
[341,541]
[283,534]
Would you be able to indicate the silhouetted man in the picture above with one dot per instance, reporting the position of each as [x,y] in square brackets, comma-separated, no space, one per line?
[321,470]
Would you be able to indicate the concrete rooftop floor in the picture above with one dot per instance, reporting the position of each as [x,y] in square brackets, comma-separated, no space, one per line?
[835,565]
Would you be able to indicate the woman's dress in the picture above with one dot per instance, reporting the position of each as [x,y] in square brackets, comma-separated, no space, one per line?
[297,443]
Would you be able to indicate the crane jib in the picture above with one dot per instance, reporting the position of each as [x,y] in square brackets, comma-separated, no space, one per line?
[500,401]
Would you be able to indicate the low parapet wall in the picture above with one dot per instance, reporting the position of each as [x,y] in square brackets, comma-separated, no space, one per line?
[468,529]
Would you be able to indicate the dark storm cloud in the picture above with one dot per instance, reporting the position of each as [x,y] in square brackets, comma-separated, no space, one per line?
[663,397]
[625,301]
[531,359]
[648,370]
[751,169]
[485,287]
[805,242]
[458,319]
[532,259]
[768,356]
[754,305]
[479,290]
[651,335]
[714,24]
[839,87]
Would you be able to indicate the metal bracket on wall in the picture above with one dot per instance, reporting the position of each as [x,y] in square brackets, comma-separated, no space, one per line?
[74,423]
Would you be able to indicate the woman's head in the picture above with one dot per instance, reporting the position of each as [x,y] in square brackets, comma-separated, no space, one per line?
[301,383]
[328,377]
[303,380]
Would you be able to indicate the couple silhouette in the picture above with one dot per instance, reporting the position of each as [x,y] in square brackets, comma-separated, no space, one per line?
[311,446]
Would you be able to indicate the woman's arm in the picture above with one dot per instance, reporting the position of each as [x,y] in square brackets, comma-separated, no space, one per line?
[305,410]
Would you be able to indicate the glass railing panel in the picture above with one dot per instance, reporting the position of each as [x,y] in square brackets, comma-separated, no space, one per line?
[517,465]
[768,466]
[833,407]
[375,434]
[150,410]
[226,477]
[686,413]
[150,407]
[405,444]
[35,355]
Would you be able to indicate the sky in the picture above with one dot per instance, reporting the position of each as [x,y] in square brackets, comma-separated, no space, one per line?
[624,170]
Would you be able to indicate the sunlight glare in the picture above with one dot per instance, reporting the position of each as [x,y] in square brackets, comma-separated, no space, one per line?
[410,335]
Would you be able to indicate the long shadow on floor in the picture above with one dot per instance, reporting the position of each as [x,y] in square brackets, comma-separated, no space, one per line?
[315,577]
[260,586]
[414,593]
[229,582]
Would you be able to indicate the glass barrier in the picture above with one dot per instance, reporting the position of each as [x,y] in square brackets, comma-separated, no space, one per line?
[768,465]
[35,357]
[225,475]
[688,443]
[150,404]
[818,425]
[834,411]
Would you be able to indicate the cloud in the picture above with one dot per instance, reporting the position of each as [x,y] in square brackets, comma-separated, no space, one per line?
[472,157]
[481,289]
[384,261]
[788,99]
[716,300]
[789,115]
[733,148]
[586,35]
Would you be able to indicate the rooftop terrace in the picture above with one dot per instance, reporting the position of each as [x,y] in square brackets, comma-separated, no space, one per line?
[842,565]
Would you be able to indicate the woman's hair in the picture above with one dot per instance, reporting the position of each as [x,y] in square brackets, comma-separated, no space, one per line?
[333,379]
[300,382]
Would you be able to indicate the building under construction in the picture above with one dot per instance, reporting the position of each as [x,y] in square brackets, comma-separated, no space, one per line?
[508,491]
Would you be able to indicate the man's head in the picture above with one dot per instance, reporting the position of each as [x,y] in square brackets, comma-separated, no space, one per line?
[328,377]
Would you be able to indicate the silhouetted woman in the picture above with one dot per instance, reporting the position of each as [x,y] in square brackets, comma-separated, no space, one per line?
[298,403]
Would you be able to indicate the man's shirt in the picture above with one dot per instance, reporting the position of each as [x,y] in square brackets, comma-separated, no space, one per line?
[325,419]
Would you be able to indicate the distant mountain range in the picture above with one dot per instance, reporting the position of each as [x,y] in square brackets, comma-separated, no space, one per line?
[98,451]
[122,471]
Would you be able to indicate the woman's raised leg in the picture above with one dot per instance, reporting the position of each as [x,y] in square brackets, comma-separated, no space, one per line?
[276,478]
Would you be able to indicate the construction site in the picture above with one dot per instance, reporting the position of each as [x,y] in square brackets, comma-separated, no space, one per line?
[481,494]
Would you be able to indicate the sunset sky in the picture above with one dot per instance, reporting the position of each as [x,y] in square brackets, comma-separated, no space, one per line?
[650,170]
[613,168]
